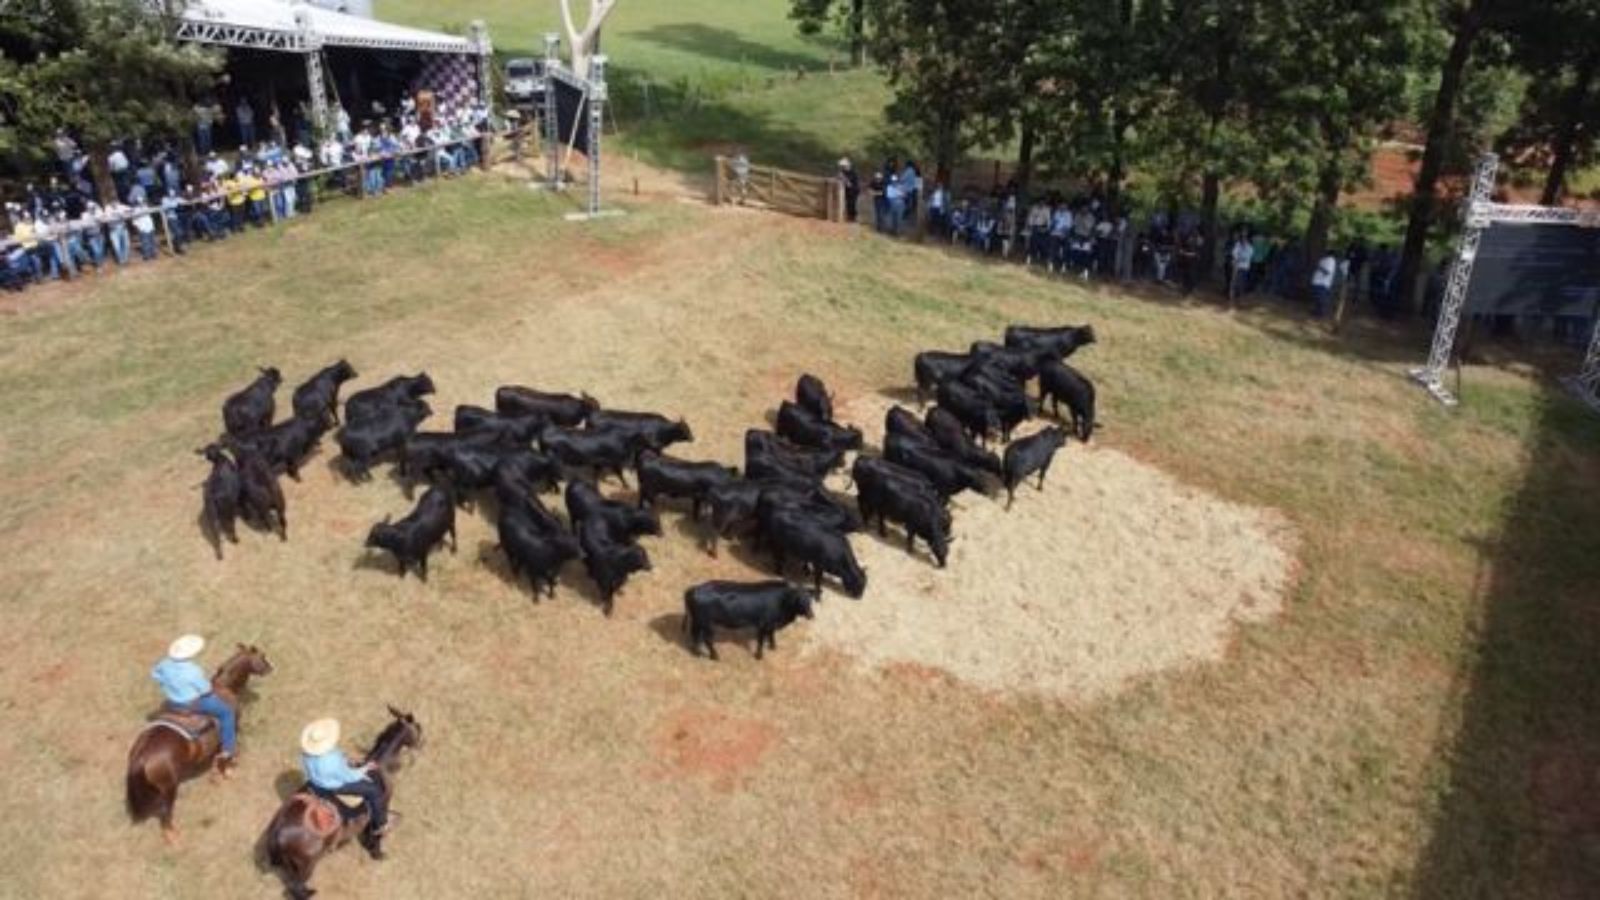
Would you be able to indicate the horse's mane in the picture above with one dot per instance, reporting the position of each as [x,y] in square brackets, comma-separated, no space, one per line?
[388,741]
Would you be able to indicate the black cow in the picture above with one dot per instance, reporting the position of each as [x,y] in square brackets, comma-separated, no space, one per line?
[1060,342]
[1004,392]
[412,538]
[374,401]
[526,472]
[766,454]
[794,533]
[473,467]
[560,409]
[1062,383]
[1028,455]
[899,420]
[609,558]
[221,496]
[650,430]
[667,476]
[509,429]
[766,606]
[532,547]
[949,475]
[424,453]
[260,495]
[586,504]
[968,404]
[870,473]
[251,409]
[287,444]
[804,428]
[948,433]
[813,396]
[363,440]
[917,508]
[602,451]
[931,367]
[733,503]
[318,398]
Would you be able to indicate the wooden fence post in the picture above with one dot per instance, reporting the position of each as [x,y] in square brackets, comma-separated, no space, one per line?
[716,190]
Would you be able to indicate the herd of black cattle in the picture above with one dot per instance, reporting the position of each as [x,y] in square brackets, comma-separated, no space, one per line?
[779,502]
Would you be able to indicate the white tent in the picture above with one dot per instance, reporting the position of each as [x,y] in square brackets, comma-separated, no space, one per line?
[305,29]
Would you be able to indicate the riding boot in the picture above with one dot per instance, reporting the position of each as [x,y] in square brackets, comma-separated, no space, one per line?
[225,764]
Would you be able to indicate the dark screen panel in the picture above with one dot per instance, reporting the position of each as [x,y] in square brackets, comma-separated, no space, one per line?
[571,106]
[1547,269]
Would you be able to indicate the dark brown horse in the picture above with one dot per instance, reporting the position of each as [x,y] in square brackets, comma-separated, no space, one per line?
[307,827]
[162,758]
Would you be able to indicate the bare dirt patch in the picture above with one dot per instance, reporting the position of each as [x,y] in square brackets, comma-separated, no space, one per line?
[1114,571]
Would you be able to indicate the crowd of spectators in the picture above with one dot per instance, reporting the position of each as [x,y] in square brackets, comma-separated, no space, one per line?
[1087,236]
[158,199]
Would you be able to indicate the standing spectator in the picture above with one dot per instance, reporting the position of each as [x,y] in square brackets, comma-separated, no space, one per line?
[172,221]
[197,217]
[1125,247]
[94,235]
[911,189]
[115,217]
[144,225]
[1162,248]
[341,126]
[1038,233]
[894,196]
[205,116]
[1239,271]
[880,203]
[851,183]
[1105,246]
[245,116]
[1060,233]
[1006,227]
[117,163]
[77,254]
[939,210]
[235,188]
[1322,284]
[1260,256]
[216,166]
[49,251]
[1190,243]
[256,195]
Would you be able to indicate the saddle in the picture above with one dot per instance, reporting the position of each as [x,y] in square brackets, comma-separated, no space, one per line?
[189,724]
[327,816]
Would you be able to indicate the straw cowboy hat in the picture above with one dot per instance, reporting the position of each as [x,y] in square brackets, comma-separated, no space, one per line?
[187,647]
[320,736]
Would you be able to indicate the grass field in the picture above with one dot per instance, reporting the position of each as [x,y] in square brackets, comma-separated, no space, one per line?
[1418,720]
[719,74]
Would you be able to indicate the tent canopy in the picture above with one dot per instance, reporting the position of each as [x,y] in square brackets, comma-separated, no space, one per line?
[277,25]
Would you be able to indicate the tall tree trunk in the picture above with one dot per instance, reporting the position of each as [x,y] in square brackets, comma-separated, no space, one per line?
[1025,160]
[1440,124]
[1566,143]
[1210,196]
[858,32]
[101,171]
[1328,184]
[944,149]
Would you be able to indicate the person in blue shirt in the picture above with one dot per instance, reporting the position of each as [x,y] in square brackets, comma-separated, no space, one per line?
[186,688]
[329,772]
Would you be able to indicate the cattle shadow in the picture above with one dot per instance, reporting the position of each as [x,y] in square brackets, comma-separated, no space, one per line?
[670,627]
[1520,798]
[375,560]
[905,396]
[212,535]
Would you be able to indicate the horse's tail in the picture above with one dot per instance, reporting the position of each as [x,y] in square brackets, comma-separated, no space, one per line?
[144,796]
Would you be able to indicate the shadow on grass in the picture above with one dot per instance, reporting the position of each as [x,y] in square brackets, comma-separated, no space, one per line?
[1519,815]
[708,42]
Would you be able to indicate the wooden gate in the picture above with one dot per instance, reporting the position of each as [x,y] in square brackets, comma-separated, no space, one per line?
[777,189]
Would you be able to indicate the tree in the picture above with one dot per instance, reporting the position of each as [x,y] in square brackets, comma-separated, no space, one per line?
[812,15]
[1335,78]
[1559,45]
[582,43]
[116,72]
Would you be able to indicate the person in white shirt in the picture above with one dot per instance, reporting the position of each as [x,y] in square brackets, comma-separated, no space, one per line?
[145,226]
[1239,270]
[1322,284]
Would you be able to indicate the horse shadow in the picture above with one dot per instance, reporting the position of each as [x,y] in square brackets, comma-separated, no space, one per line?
[285,785]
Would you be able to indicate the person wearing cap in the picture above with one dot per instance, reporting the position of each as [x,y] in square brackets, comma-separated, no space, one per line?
[852,188]
[329,772]
[187,688]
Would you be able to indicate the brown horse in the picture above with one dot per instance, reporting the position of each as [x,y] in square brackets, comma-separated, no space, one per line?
[162,758]
[307,827]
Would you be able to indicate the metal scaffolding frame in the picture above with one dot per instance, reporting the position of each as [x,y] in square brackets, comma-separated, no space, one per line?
[552,131]
[1477,215]
[597,104]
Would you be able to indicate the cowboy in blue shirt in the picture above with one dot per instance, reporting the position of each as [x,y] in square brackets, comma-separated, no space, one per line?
[329,773]
[187,688]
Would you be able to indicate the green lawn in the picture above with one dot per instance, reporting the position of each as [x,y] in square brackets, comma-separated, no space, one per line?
[692,78]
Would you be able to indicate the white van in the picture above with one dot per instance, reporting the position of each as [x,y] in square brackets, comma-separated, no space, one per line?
[524,80]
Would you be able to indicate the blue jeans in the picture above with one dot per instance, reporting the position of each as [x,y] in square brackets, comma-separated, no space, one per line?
[119,243]
[147,245]
[897,214]
[97,247]
[202,139]
[227,723]
[247,133]
[1319,301]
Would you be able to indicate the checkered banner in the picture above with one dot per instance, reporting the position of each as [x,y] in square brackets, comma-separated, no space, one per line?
[453,78]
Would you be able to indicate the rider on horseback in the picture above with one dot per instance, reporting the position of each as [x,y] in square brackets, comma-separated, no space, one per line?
[187,689]
[329,772]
